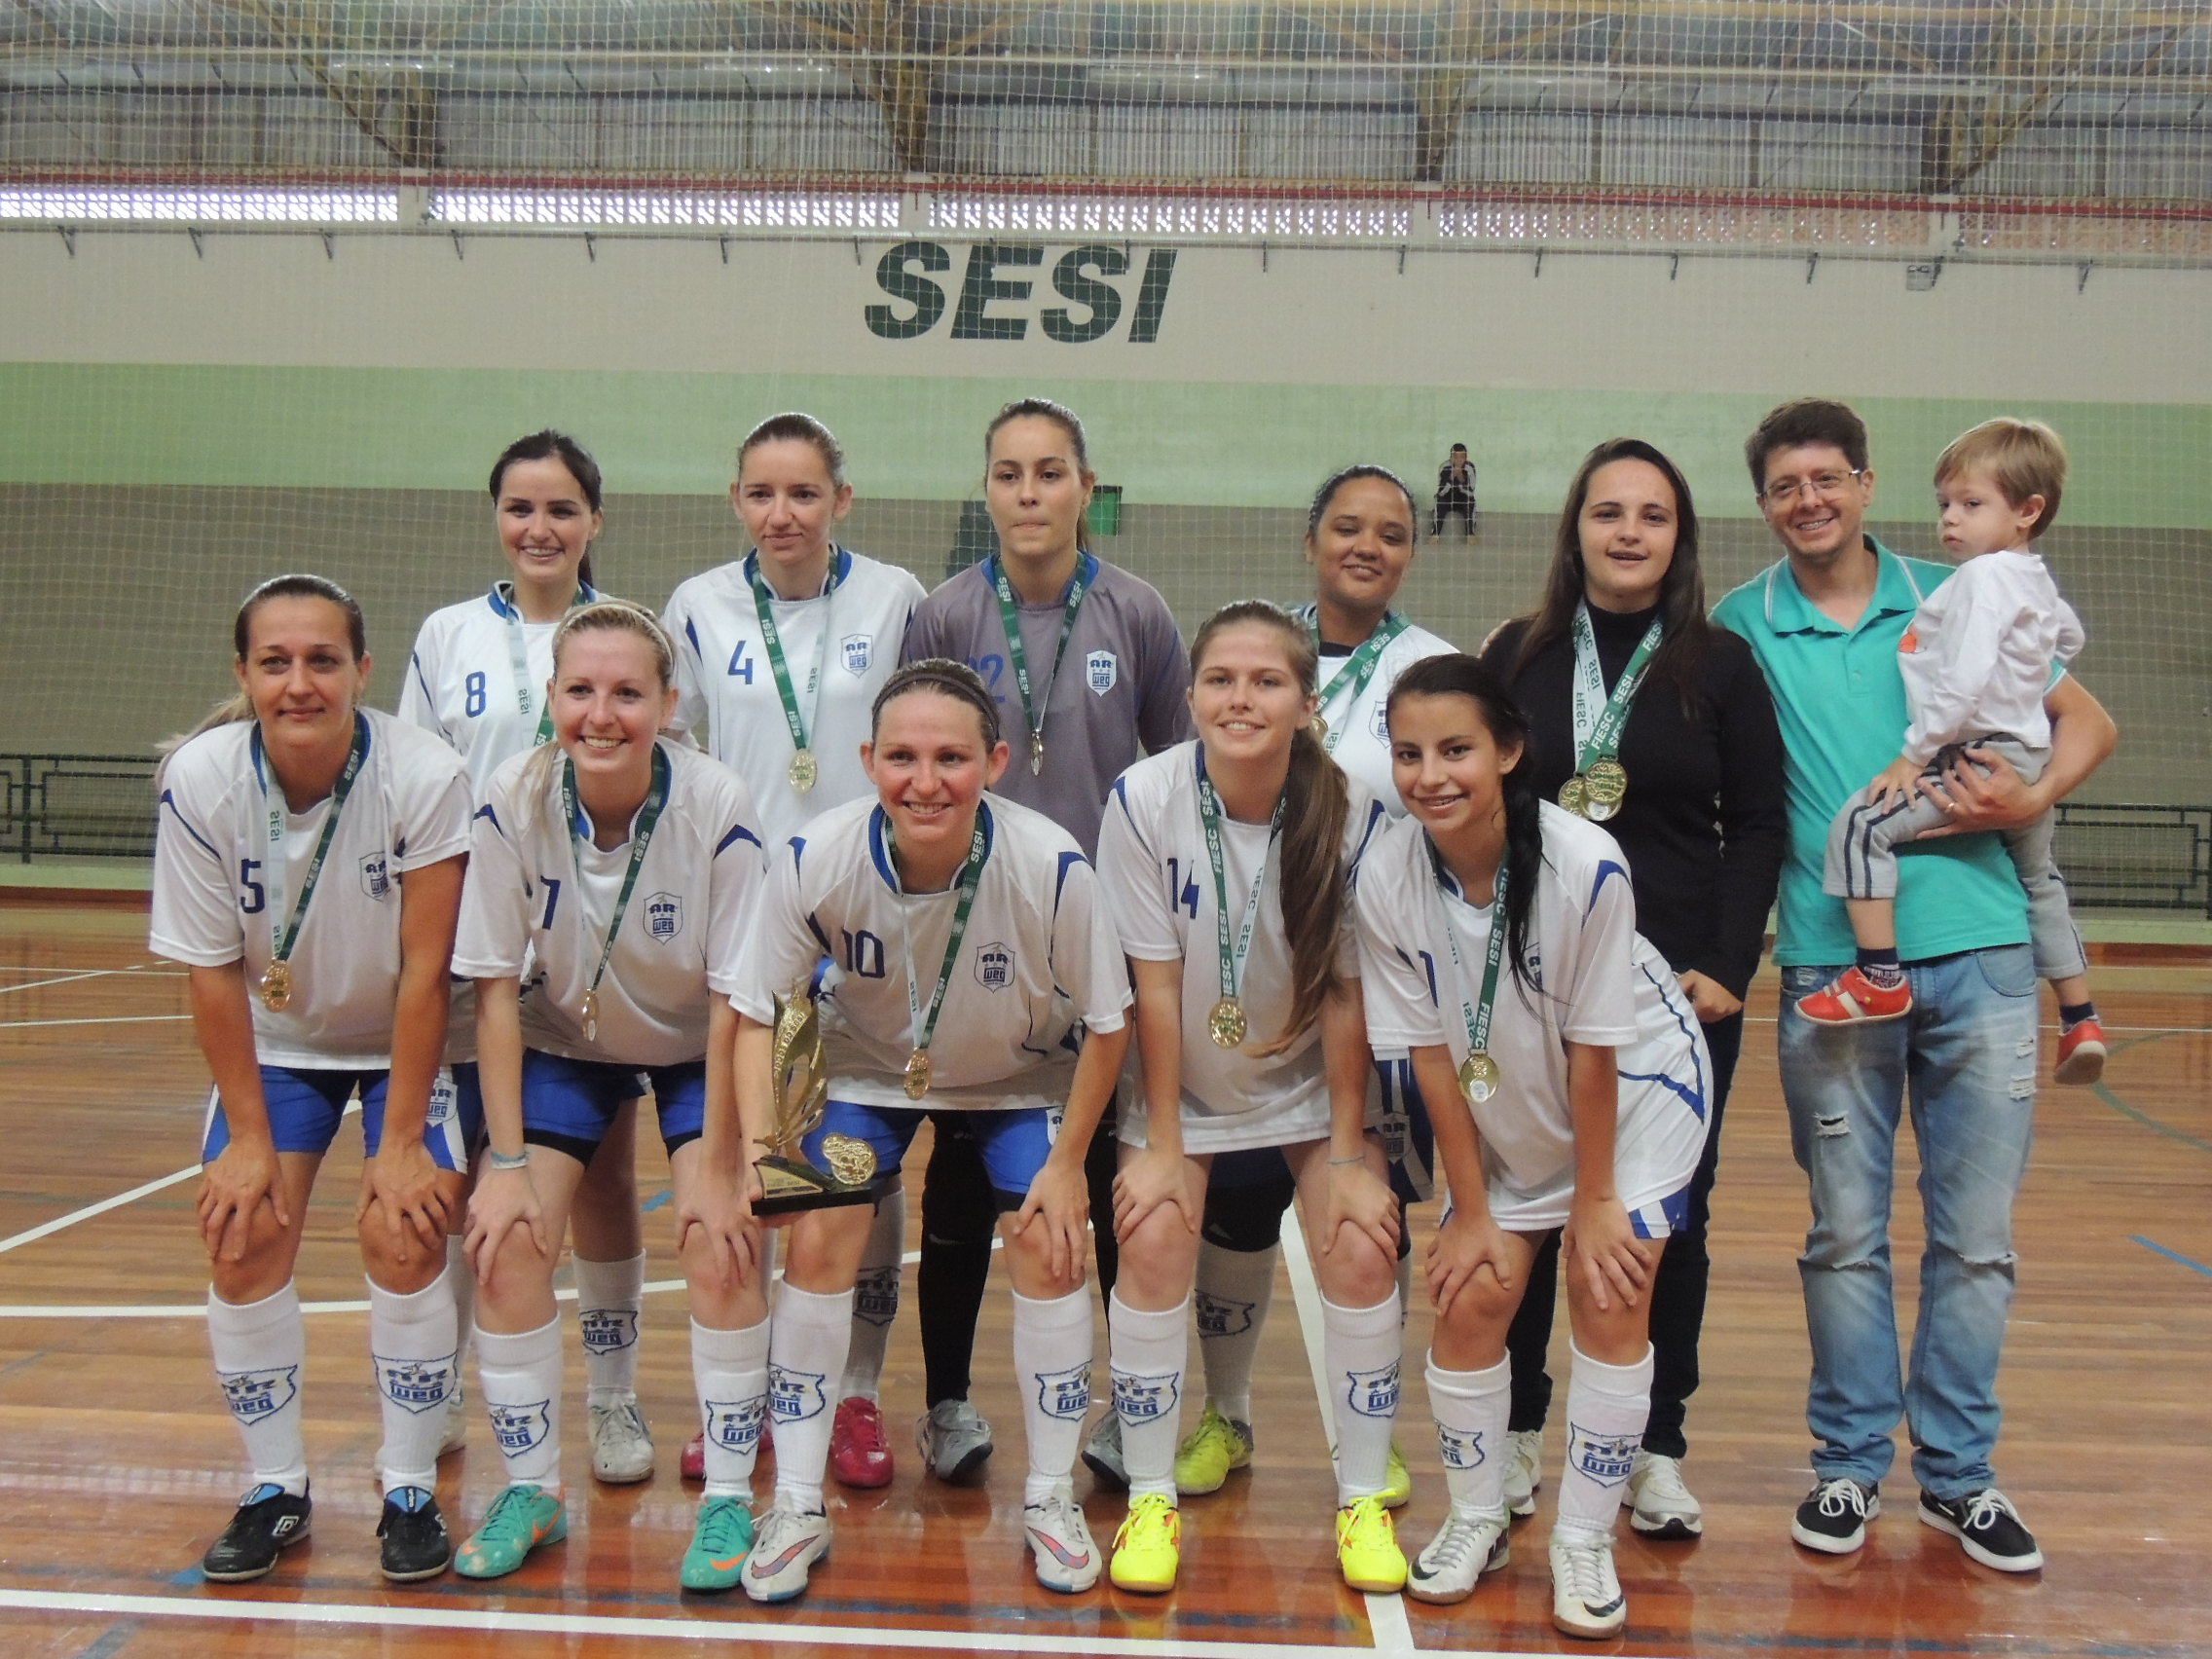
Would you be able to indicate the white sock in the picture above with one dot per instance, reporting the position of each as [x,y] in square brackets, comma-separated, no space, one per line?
[1051,1363]
[806,1348]
[1234,1290]
[611,1296]
[1147,1351]
[461,1276]
[261,1356]
[412,1350]
[1472,1409]
[1606,1408]
[875,1298]
[522,1395]
[1362,1347]
[730,1370]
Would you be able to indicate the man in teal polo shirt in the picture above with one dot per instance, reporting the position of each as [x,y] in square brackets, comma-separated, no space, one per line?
[1824,624]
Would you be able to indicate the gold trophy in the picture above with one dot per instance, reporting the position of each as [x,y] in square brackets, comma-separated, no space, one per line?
[789,1184]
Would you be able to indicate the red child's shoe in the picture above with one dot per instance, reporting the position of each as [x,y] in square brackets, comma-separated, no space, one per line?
[1851,998]
[695,1458]
[859,1456]
[2081,1053]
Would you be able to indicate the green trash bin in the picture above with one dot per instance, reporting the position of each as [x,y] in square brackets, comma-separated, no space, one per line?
[1105,515]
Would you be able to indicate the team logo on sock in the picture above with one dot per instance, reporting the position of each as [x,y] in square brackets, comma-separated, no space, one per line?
[853,651]
[1606,1459]
[875,1296]
[1146,1399]
[735,1424]
[1065,1393]
[1461,1451]
[519,1428]
[793,1396]
[1100,671]
[664,916]
[1373,1393]
[1219,1316]
[375,877]
[607,1330]
[419,1384]
[994,964]
[258,1395]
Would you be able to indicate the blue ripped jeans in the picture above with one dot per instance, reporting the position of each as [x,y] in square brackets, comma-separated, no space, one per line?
[1964,1058]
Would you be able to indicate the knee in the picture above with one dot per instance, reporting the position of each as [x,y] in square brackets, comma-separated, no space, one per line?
[261,1274]
[1360,1273]
[520,1273]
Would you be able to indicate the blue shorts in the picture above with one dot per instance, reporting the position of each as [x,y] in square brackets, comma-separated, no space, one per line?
[1669,1215]
[1015,1144]
[304,1107]
[569,1105]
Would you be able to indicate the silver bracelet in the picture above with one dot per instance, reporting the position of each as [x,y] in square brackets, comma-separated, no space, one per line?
[1347,1162]
[503,1160]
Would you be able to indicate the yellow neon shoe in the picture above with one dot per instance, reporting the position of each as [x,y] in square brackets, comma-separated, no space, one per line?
[1397,1479]
[1367,1548]
[1218,1445]
[1148,1547]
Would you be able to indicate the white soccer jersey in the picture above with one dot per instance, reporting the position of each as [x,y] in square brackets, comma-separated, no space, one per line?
[850,632]
[1361,734]
[678,937]
[1599,982]
[460,680]
[1039,956]
[408,809]
[1152,861]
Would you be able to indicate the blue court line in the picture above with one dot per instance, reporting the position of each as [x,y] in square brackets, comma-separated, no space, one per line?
[657,1202]
[2170,1255]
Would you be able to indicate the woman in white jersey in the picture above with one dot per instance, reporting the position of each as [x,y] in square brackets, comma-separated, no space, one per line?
[1361,532]
[1567,1085]
[613,866]
[1228,864]
[307,869]
[478,679]
[778,655]
[977,973]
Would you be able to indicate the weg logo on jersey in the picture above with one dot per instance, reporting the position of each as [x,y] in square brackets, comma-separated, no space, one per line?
[257,1394]
[518,1428]
[794,1395]
[1064,1394]
[664,916]
[855,651]
[607,1330]
[1143,1399]
[445,1101]
[417,1384]
[981,287]
[1101,670]
[1219,1316]
[994,964]
[1373,1393]
[1606,1459]
[375,877]
[735,1424]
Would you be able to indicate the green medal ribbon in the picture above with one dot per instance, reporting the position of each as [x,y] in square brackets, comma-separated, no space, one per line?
[276,977]
[1479,1074]
[656,797]
[518,652]
[1032,711]
[1228,1021]
[802,765]
[1599,719]
[1352,677]
[920,1029]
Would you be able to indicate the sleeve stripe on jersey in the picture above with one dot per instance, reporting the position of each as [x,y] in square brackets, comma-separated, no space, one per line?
[822,939]
[1122,795]
[1375,816]
[1605,867]
[691,633]
[877,852]
[1068,861]
[169,799]
[485,811]
[1670,999]
[415,662]
[798,849]
[737,833]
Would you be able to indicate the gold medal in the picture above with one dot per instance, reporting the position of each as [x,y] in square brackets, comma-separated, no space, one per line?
[1321,727]
[1478,1077]
[1574,795]
[803,771]
[850,1159]
[917,1081]
[1608,781]
[1036,754]
[1227,1022]
[591,1017]
[1600,809]
[277,987]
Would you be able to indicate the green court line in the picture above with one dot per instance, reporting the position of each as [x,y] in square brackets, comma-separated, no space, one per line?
[2147,1122]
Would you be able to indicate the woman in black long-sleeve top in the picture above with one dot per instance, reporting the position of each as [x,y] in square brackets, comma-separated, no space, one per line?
[1702,823]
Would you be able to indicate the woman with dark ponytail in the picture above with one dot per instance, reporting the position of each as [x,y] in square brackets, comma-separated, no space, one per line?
[1227,863]
[1567,1089]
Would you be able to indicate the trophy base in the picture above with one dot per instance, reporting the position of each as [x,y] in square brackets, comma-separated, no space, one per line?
[789,1187]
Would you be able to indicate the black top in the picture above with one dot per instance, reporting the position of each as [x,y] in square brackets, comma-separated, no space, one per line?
[1704,824]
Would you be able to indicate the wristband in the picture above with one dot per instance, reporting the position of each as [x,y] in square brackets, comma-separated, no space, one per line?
[1347,1162]
[504,1160]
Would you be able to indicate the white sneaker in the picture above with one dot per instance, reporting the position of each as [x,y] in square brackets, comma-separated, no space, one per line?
[1459,1554]
[1659,1505]
[1524,1469]
[1060,1540]
[622,1445]
[785,1544]
[1586,1592]
[954,1439]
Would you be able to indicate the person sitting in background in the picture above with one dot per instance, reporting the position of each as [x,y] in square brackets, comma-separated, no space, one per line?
[1454,492]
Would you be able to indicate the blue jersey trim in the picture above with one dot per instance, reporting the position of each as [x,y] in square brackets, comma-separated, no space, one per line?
[1068,861]
[737,833]
[169,799]
[1607,867]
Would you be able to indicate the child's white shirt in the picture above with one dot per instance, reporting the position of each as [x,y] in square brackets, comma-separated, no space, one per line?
[1976,659]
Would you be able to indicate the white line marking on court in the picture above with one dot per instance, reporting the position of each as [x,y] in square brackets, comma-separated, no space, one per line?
[1386,1619]
[90,1211]
[104,1019]
[59,968]
[69,977]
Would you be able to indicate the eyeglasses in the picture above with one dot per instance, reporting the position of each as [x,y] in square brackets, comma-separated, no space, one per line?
[1827,485]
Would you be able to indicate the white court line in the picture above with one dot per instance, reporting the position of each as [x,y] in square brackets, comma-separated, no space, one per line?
[67,978]
[1386,1617]
[107,1019]
[46,1229]
[58,967]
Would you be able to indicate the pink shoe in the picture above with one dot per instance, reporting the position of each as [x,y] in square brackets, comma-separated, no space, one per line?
[859,1456]
[1851,998]
[695,1458]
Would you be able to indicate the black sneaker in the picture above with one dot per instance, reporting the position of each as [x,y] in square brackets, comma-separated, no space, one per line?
[1987,1526]
[269,1519]
[1833,1517]
[413,1534]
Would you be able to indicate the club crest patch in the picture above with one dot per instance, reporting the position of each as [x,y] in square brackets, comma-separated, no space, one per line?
[1145,1399]
[607,1330]
[1220,1317]
[1380,726]
[994,964]
[518,1428]
[257,1394]
[1461,1451]
[1064,1394]
[445,1101]
[854,650]
[375,877]
[793,1396]
[1373,1393]
[415,1384]
[1606,1459]
[875,1296]
[735,1424]
[1101,672]
[664,916]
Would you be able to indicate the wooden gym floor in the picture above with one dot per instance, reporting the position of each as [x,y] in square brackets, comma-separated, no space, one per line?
[117,1463]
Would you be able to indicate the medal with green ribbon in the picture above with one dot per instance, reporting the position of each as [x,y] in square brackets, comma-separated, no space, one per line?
[1601,782]
[276,979]
[649,815]
[518,651]
[1479,1076]
[921,1028]
[1228,1023]
[803,769]
[1032,709]
[1343,689]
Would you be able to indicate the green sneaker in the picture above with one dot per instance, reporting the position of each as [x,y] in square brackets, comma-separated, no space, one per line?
[720,1540]
[520,1518]
[1218,1445]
